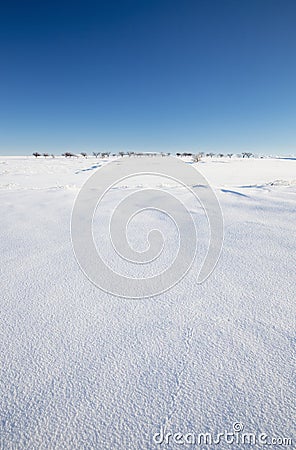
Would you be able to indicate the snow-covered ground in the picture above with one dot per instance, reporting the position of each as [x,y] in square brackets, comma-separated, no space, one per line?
[81,369]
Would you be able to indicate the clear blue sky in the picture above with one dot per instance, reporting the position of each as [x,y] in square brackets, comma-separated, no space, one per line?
[212,75]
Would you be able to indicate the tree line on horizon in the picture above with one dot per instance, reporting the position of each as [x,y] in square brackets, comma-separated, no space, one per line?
[196,157]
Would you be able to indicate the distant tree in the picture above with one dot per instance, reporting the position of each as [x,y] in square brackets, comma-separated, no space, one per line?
[178,154]
[83,154]
[196,158]
[230,155]
[220,155]
[96,154]
[68,154]
[121,154]
[45,155]
[52,155]
[247,154]
[36,154]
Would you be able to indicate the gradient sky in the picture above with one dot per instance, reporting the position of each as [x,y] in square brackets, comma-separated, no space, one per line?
[178,75]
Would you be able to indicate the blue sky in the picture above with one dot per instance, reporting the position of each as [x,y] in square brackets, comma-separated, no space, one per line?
[211,75]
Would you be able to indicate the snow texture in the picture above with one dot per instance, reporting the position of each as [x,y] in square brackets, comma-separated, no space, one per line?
[81,369]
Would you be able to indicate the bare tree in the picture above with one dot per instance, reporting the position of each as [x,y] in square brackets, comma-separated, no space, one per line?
[36,154]
[96,154]
[247,154]
[45,155]
[83,154]
[121,154]
[230,155]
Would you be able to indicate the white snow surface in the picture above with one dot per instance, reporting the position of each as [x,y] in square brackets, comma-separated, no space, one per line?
[81,369]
